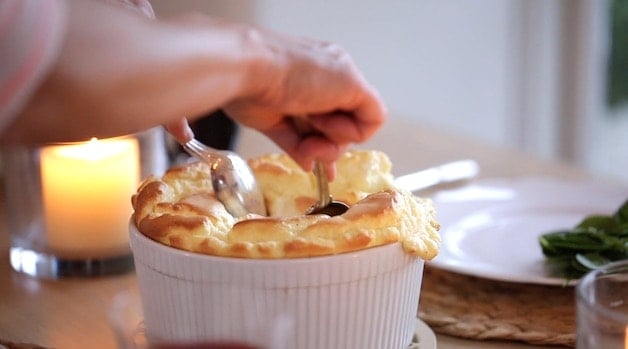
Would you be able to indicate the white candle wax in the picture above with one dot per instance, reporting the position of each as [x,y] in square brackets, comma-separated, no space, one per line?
[87,190]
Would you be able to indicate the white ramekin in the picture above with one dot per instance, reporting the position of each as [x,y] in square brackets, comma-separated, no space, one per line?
[365,299]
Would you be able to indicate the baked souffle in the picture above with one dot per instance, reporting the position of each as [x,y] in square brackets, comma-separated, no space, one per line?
[180,210]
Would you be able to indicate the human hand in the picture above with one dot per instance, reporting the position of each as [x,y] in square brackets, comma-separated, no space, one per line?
[319,83]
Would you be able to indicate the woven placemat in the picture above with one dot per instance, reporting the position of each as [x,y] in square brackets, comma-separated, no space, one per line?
[482,309]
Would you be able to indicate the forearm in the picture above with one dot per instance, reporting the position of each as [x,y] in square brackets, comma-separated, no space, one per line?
[133,74]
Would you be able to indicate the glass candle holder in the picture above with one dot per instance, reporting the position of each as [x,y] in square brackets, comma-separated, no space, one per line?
[68,205]
[602,308]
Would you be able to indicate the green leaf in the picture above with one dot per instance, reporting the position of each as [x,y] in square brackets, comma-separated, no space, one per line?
[591,261]
[596,241]
[622,214]
[557,266]
[576,240]
[598,222]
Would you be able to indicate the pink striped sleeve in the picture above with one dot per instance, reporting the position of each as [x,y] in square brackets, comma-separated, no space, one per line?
[31,34]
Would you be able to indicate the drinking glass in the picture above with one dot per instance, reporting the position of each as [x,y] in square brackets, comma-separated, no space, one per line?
[602,308]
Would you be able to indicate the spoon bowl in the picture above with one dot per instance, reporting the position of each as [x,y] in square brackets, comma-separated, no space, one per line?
[232,179]
[325,205]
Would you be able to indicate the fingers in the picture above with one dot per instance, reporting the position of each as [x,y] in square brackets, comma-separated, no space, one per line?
[288,138]
[370,115]
[180,130]
[342,127]
[306,148]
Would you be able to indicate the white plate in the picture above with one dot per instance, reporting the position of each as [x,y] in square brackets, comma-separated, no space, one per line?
[425,337]
[490,228]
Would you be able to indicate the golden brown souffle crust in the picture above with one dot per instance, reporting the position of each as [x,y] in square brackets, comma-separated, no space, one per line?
[180,210]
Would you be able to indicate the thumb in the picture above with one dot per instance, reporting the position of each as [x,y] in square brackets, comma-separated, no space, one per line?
[180,130]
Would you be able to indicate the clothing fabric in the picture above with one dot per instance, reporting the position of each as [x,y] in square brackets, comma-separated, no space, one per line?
[31,35]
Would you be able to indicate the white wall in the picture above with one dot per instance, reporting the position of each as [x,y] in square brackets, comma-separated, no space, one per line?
[439,62]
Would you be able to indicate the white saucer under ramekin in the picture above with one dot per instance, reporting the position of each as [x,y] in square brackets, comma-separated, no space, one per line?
[364,299]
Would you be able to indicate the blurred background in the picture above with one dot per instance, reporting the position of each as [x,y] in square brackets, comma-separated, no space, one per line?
[549,77]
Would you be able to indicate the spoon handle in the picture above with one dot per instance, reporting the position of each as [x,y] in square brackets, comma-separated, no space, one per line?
[199,150]
[324,198]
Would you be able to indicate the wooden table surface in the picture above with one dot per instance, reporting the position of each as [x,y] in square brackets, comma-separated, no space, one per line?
[71,313]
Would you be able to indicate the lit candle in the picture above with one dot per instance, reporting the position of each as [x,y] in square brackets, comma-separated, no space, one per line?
[87,190]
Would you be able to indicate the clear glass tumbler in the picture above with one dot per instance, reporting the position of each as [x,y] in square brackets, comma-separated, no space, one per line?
[68,205]
[602,308]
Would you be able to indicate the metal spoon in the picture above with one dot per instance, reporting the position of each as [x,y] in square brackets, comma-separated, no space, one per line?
[325,205]
[232,179]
